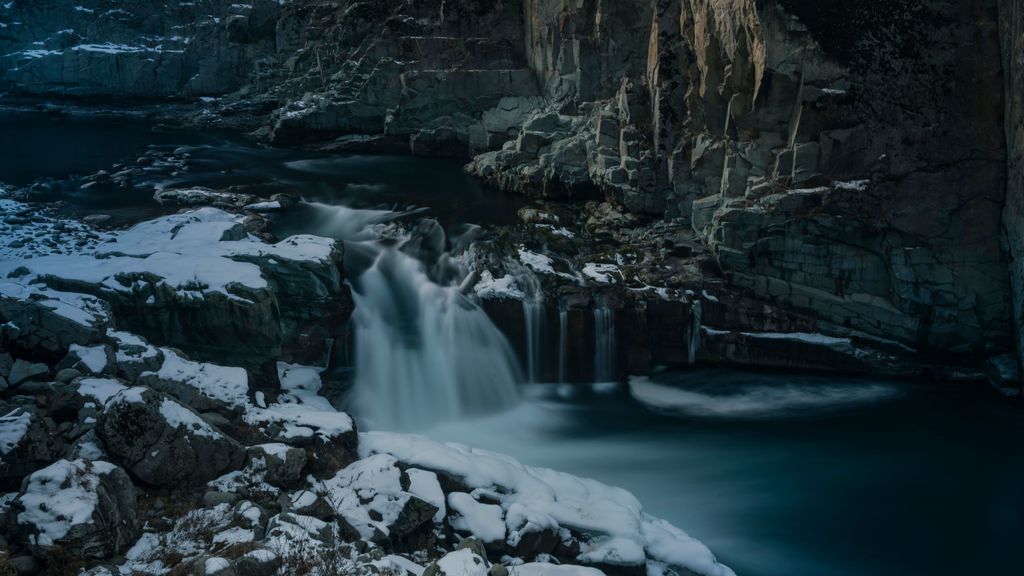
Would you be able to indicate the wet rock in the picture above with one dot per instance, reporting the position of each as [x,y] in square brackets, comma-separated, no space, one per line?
[164,443]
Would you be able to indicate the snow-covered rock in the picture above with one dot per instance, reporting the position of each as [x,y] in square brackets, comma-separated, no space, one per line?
[86,508]
[202,386]
[36,319]
[463,562]
[196,281]
[284,464]
[24,445]
[609,524]
[162,442]
[371,504]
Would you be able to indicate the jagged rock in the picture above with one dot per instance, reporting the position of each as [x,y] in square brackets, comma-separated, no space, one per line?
[85,508]
[164,443]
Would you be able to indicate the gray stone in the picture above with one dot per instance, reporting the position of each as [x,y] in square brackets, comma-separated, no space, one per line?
[66,375]
[23,371]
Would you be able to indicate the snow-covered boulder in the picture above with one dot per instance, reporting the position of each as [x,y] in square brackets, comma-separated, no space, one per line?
[329,437]
[372,505]
[134,356]
[85,508]
[464,562]
[24,445]
[96,360]
[493,497]
[284,464]
[162,442]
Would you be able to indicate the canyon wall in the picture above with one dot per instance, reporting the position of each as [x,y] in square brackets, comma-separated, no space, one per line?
[845,161]
[1012,28]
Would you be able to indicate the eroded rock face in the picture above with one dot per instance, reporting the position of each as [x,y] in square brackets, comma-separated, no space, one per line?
[812,156]
[164,443]
[1012,32]
[844,160]
[133,49]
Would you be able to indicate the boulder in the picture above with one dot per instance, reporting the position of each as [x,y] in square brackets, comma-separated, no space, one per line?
[96,360]
[85,508]
[284,463]
[372,505]
[464,562]
[23,371]
[24,445]
[134,356]
[163,443]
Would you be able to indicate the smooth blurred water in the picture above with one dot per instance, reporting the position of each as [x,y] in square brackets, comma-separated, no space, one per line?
[889,479]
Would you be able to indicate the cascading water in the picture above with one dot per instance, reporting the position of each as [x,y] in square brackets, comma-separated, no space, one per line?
[563,343]
[604,345]
[424,352]
[533,313]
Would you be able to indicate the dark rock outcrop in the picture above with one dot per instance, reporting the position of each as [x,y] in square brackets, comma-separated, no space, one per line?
[1012,31]
[163,443]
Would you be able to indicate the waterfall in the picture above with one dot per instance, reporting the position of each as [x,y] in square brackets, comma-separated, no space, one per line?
[424,353]
[563,343]
[604,345]
[533,314]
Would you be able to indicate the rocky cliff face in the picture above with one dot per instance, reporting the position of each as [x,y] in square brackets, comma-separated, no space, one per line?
[845,162]
[809,149]
[1012,28]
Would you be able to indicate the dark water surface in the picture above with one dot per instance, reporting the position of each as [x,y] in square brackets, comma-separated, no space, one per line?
[34,146]
[905,480]
[779,475]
